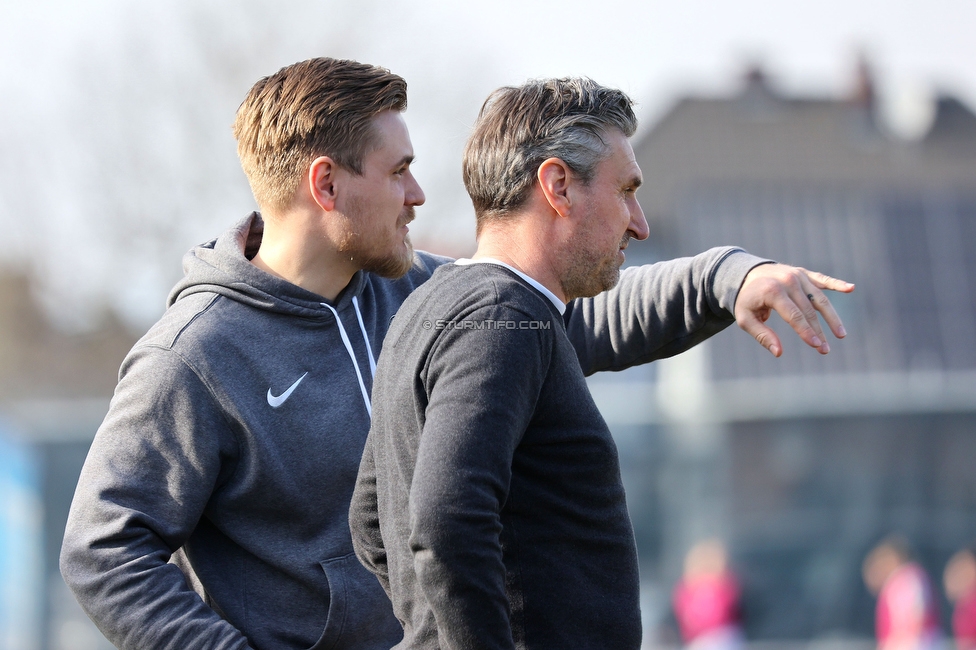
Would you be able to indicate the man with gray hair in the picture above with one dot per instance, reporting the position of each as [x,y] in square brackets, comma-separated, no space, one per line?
[489,502]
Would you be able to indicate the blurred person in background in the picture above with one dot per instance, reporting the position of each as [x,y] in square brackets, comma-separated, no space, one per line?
[959,580]
[706,599]
[212,510]
[907,614]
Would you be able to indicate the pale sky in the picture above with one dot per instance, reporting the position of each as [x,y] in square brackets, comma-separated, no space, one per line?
[116,153]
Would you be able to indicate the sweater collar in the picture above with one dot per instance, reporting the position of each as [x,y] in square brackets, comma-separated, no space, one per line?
[559,304]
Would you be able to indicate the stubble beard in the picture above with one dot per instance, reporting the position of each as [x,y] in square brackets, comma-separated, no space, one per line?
[590,273]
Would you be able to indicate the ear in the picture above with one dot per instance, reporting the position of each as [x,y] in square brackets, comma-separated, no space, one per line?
[555,177]
[321,182]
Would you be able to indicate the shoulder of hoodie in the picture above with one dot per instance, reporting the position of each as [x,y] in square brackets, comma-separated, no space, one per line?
[189,314]
[203,316]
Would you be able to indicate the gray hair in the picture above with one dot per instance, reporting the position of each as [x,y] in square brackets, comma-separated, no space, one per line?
[521,127]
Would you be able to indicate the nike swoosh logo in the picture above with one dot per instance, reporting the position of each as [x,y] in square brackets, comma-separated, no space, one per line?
[275,402]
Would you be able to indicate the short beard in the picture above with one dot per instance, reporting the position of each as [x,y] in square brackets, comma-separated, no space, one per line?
[393,266]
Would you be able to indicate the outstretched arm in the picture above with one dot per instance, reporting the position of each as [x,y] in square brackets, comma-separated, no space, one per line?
[658,310]
[797,295]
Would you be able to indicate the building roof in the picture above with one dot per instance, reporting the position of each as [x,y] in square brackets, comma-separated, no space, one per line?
[818,183]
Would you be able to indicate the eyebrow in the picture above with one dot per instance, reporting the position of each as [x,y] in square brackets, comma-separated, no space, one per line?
[406,160]
[636,182]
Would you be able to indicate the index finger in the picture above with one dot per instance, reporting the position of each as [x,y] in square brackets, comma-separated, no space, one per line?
[822,281]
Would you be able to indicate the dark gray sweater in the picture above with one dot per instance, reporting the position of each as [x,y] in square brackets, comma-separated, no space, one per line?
[489,501]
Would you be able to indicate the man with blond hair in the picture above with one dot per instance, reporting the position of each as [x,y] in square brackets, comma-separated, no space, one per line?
[212,509]
[489,502]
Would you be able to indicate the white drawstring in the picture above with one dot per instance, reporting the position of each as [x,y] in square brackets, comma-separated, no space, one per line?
[352,356]
[369,350]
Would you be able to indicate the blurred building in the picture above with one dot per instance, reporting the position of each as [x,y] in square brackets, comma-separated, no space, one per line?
[54,391]
[802,463]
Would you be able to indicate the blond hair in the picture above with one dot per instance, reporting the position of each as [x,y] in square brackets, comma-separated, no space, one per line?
[319,107]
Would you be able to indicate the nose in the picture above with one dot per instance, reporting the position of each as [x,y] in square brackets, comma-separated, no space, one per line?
[414,195]
[638,224]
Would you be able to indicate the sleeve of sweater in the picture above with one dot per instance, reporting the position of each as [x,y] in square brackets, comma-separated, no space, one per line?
[146,482]
[364,520]
[658,310]
[483,386]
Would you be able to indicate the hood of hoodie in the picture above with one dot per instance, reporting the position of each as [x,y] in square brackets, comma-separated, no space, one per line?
[223,266]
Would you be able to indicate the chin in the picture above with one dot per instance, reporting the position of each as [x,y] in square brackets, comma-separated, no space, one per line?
[611,281]
[591,286]
[606,279]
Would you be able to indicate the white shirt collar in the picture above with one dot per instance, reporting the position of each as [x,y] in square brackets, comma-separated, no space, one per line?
[559,304]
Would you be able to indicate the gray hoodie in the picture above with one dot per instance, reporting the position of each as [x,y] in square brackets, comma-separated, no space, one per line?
[233,440]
